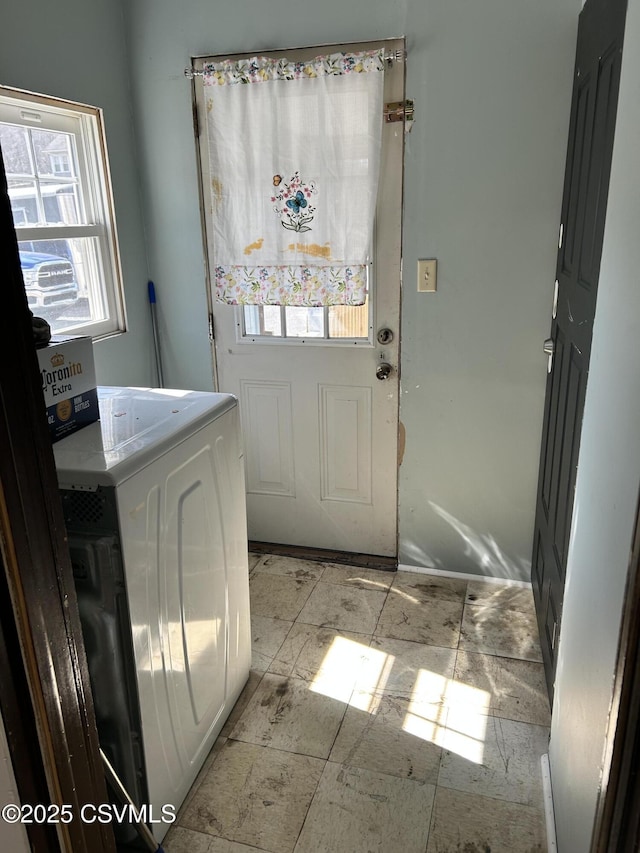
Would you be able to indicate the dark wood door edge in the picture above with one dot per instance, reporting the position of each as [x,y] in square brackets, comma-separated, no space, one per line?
[20,723]
[324,555]
[617,822]
[38,570]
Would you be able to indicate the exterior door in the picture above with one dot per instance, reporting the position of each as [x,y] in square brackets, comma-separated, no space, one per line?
[591,131]
[320,428]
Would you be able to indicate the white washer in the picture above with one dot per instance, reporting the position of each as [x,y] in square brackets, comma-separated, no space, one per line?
[154,502]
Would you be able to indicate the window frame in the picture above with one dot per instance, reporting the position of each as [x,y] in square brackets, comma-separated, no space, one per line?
[85,123]
[244,337]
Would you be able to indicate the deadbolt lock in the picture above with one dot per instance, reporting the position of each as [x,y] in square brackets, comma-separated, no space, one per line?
[385,336]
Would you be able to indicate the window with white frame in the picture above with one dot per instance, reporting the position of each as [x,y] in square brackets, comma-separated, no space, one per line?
[334,323]
[56,164]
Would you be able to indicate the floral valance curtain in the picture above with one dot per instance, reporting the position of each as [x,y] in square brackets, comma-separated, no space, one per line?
[294,154]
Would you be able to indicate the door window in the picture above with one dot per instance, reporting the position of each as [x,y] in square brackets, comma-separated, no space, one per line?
[336,324]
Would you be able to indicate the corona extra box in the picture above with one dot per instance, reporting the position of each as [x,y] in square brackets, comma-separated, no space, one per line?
[68,378]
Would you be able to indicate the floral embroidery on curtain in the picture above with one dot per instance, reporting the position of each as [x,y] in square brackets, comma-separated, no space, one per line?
[261,69]
[294,166]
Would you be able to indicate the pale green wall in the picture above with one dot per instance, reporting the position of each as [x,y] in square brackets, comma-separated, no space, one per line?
[484,163]
[75,49]
[483,191]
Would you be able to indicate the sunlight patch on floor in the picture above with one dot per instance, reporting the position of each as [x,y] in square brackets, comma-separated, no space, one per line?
[443,711]
[343,665]
[467,715]
[458,723]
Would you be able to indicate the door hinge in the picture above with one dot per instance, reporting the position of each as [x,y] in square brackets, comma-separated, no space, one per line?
[196,122]
[398,111]
[211,333]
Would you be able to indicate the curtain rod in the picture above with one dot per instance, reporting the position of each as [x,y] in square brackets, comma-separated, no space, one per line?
[390,57]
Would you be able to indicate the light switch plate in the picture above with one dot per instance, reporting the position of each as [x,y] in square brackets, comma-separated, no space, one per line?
[427,276]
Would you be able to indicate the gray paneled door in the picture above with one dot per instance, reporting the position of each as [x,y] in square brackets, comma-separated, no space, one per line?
[586,182]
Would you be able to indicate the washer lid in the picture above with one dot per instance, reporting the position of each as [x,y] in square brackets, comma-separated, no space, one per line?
[136,426]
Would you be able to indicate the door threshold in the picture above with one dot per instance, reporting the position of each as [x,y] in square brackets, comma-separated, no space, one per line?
[324,555]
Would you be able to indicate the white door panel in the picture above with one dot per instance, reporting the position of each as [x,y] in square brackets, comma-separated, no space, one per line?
[268,434]
[345,443]
[320,430]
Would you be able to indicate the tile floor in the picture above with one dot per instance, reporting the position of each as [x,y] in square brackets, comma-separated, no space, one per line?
[384,712]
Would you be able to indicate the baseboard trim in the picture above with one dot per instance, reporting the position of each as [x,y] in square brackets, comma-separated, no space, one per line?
[464,576]
[549,813]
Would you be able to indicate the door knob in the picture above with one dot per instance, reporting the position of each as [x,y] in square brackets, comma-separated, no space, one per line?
[549,349]
[383,370]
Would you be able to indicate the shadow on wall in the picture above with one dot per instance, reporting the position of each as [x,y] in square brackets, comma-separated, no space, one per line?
[481,548]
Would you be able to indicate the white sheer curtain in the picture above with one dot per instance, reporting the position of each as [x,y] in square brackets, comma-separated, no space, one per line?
[294,151]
